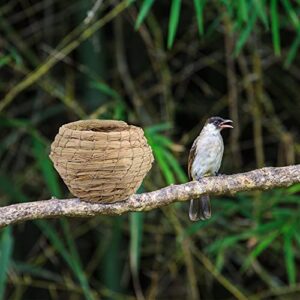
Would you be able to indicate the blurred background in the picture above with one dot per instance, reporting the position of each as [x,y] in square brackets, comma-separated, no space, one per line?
[165,66]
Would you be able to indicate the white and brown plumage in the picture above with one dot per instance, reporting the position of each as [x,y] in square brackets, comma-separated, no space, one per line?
[205,160]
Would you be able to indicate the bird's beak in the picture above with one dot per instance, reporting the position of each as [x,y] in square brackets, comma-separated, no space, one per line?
[225,124]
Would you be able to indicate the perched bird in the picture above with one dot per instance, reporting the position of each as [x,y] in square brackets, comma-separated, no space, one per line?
[205,160]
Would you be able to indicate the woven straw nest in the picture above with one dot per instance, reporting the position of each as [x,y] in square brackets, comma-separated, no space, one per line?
[101,160]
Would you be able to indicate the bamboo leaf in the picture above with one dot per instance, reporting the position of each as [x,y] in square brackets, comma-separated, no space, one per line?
[4,60]
[262,246]
[173,163]
[46,167]
[263,229]
[292,13]
[146,6]
[227,242]
[293,50]
[160,158]
[275,27]
[136,236]
[157,128]
[259,6]
[162,141]
[294,189]
[106,89]
[36,271]
[52,235]
[10,189]
[6,247]
[199,7]
[289,256]
[112,272]
[242,10]
[245,33]
[49,231]
[173,21]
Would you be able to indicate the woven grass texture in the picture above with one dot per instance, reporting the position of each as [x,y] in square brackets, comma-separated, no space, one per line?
[101,160]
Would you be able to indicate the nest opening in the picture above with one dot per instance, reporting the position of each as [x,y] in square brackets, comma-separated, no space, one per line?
[101,129]
[105,126]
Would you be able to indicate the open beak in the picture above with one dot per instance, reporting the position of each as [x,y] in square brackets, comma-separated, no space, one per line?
[225,124]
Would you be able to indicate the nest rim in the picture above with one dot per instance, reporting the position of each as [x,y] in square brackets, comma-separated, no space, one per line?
[96,125]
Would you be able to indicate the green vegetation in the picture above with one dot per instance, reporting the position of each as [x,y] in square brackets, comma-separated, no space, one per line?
[165,66]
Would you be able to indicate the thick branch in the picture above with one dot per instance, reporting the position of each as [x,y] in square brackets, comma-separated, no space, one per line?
[261,179]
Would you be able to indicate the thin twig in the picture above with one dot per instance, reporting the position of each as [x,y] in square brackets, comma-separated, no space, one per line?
[92,12]
[232,80]
[51,61]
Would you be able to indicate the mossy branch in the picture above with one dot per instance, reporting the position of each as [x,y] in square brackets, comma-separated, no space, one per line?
[260,179]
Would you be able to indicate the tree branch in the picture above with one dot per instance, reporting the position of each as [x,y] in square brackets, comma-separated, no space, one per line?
[261,179]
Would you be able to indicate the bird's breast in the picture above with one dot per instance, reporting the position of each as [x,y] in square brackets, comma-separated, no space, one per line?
[208,156]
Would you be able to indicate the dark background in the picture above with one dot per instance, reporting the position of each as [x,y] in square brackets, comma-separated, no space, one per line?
[166,69]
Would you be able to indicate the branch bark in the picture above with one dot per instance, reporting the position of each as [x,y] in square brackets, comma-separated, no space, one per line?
[260,179]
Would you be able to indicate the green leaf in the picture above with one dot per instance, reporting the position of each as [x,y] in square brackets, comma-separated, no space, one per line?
[166,170]
[275,27]
[227,242]
[245,33]
[157,128]
[71,259]
[199,7]
[173,163]
[262,246]
[293,189]
[6,247]
[16,56]
[162,141]
[259,6]
[212,27]
[297,235]
[146,6]
[4,60]
[242,10]
[293,50]
[263,229]
[220,260]
[173,21]
[46,167]
[289,257]
[166,161]
[136,237]
[195,227]
[105,89]
[11,189]
[112,269]
[36,271]
[292,13]
[282,213]
[119,111]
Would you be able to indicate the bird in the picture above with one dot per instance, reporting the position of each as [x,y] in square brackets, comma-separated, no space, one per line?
[205,159]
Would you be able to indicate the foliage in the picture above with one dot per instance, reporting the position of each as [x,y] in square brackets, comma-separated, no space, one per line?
[245,14]
[165,66]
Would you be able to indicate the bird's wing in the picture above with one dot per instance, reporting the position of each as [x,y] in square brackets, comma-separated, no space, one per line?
[192,157]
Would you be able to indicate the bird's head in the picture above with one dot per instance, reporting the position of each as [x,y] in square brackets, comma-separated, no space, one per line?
[219,123]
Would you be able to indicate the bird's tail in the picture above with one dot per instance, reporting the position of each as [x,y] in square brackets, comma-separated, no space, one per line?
[200,208]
